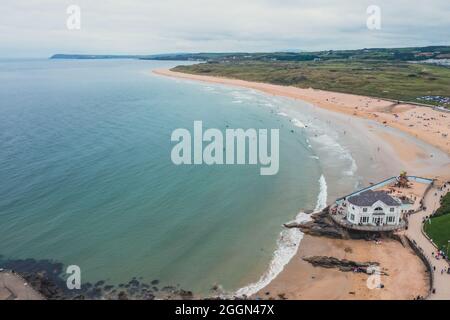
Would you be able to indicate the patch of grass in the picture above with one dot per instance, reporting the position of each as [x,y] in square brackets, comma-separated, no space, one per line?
[445,205]
[439,228]
[439,231]
[385,79]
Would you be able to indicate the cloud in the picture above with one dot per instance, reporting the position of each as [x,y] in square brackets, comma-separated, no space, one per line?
[32,27]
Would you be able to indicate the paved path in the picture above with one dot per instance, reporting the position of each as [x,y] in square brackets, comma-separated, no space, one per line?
[14,287]
[414,232]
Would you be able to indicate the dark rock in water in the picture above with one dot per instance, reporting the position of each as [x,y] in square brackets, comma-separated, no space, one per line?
[44,276]
[292,224]
[134,283]
[343,265]
[132,291]
[168,288]
[321,225]
[86,286]
[100,283]
[122,296]
[149,296]
[185,294]
[42,283]
[96,292]
[48,278]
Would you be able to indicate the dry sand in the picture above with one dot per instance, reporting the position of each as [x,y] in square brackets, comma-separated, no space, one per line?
[407,274]
[406,277]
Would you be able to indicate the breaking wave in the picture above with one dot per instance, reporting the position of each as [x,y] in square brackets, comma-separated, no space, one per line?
[287,245]
[298,123]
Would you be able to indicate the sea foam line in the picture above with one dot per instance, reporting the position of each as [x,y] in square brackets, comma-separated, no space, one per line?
[287,245]
[298,123]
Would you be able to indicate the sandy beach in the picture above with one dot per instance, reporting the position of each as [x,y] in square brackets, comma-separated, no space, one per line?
[385,138]
[406,277]
[424,123]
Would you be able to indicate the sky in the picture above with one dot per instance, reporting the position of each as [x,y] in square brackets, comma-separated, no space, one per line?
[37,28]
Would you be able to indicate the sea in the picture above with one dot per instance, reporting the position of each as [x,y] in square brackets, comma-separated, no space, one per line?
[86,176]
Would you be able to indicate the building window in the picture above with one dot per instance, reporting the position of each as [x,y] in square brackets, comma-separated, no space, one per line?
[364,209]
[391,219]
[364,219]
[391,209]
[352,217]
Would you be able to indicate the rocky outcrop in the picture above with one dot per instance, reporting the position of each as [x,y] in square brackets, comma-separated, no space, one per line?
[44,285]
[343,265]
[321,225]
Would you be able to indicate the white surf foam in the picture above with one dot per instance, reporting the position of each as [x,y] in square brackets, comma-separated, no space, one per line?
[323,194]
[336,151]
[287,246]
[282,114]
[298,123]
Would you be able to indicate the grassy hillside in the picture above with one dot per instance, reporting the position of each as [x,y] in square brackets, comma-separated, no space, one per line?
[380,78]
[392,54]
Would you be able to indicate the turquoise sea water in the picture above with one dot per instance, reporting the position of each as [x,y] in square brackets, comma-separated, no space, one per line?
[86,176]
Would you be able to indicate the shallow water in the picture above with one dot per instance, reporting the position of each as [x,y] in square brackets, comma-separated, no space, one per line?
[86,176]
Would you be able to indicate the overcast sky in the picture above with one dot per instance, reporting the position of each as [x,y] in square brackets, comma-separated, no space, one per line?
[38,27]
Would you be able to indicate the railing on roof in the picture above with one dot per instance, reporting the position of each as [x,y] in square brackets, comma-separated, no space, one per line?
[384,183]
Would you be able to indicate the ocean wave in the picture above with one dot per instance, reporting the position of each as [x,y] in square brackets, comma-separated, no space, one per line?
[282,114]
[337,151]
[298,123]
[323,195]
[287,245]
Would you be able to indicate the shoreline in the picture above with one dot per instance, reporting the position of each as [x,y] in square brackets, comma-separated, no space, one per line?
[394,146]
[423,123]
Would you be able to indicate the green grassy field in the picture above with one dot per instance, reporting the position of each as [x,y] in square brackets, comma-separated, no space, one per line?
[385,79]
[439,229]
[445,206]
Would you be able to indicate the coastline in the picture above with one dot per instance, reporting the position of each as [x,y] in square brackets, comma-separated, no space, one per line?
[386,143]
[423,123]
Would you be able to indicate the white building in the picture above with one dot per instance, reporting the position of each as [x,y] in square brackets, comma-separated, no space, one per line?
[375,208]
